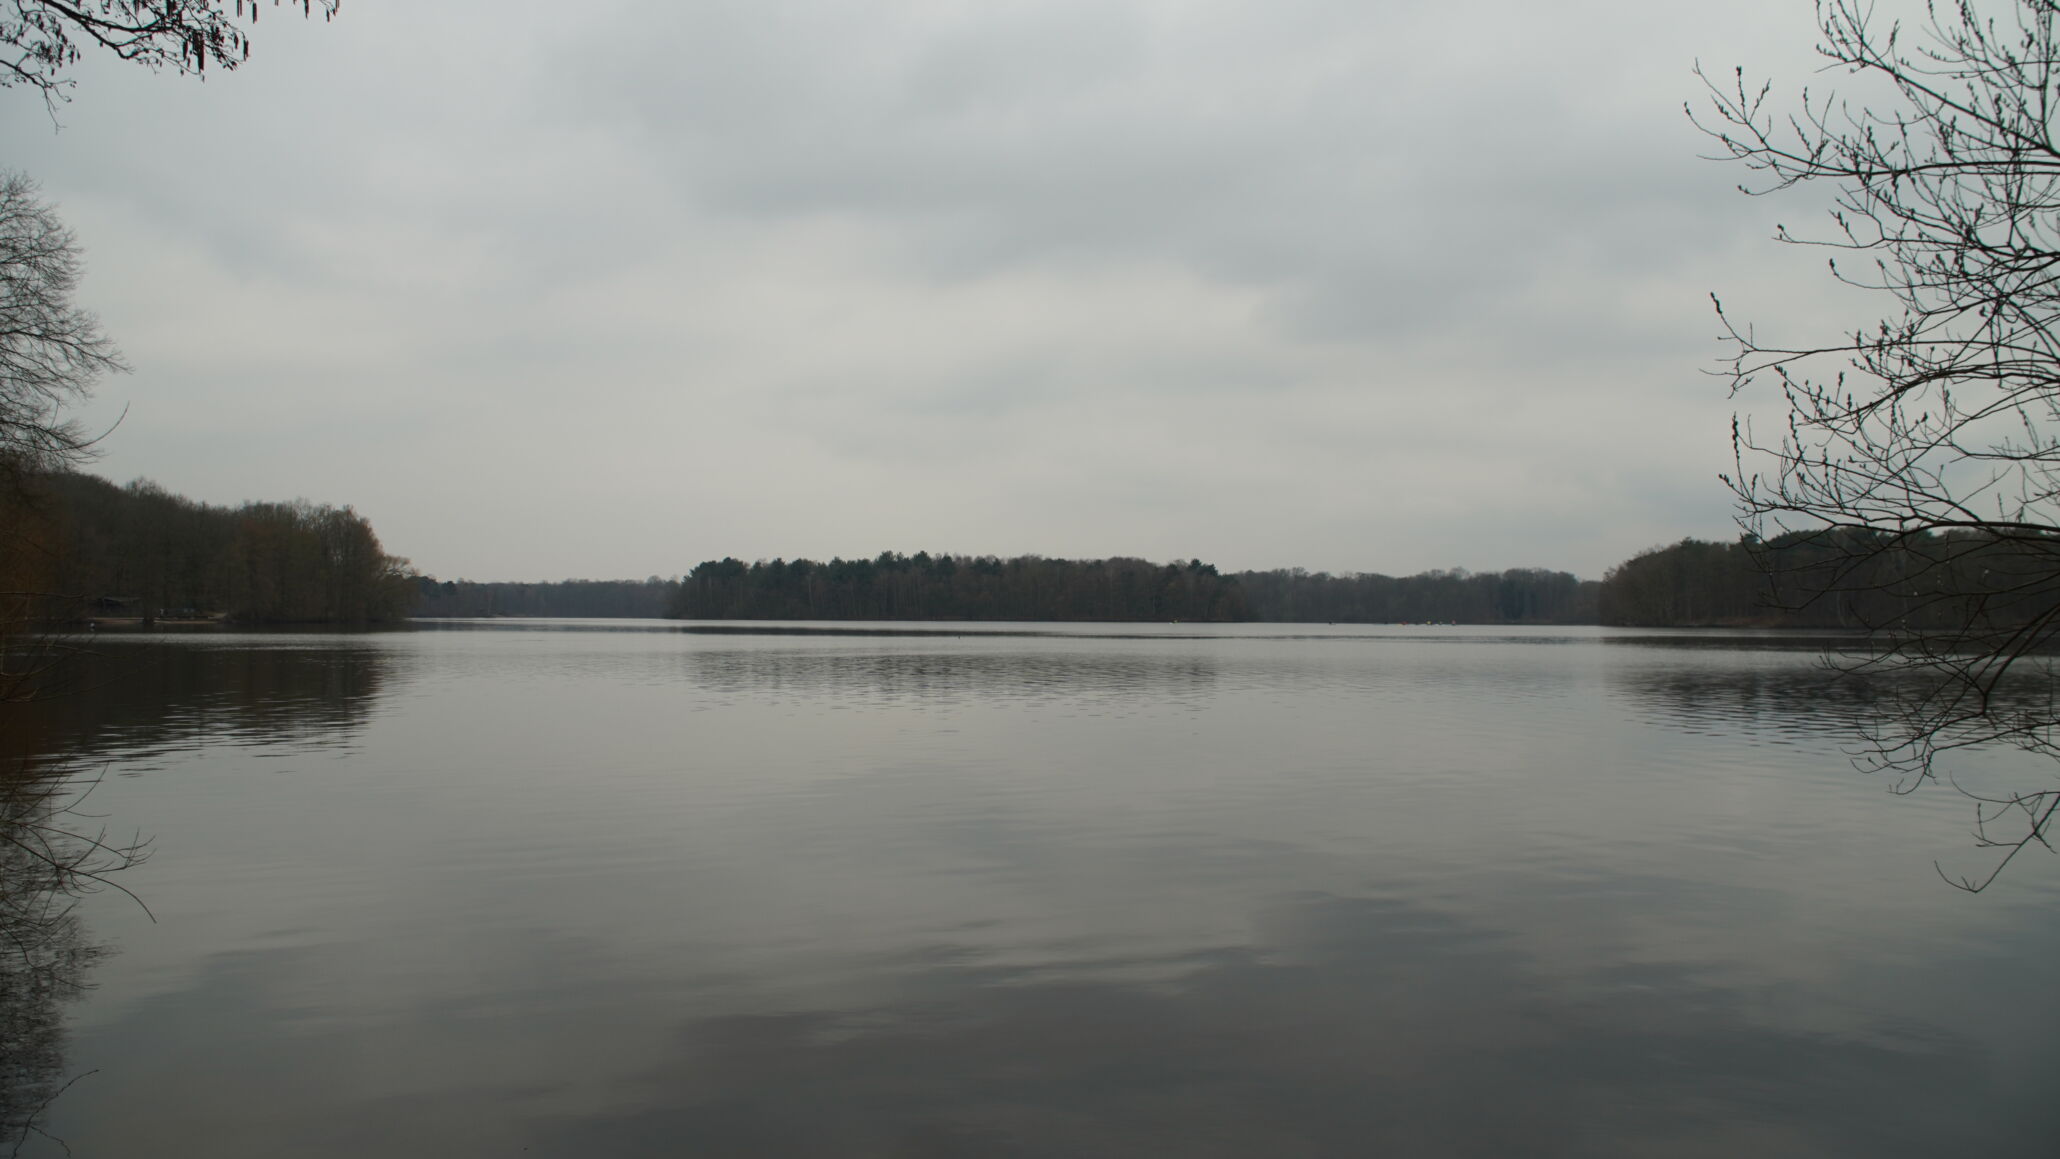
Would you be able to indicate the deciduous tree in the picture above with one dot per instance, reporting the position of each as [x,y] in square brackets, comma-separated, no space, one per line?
[41,39]
[51,351]
[1930,435]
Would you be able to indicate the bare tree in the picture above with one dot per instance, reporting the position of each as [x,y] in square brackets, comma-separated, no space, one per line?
[51,351]
[40,39]
[1918,462]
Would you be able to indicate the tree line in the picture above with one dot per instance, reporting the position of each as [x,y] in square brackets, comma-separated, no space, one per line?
[84,548]
[1456,596]
[1957,582]
[637,599]
[924,586]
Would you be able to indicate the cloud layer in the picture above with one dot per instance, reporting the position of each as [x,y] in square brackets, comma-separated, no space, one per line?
[1349,286]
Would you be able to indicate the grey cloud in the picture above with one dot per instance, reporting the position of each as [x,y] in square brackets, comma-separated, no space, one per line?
[1371,185]
[1305,282]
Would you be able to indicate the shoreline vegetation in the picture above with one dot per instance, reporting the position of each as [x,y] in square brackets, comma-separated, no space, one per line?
[84,551]
[1802,580]
[139,557]
[1033,588]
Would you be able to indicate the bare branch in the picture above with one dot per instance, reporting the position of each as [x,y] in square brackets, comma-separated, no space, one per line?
[1916,478]
[45,37]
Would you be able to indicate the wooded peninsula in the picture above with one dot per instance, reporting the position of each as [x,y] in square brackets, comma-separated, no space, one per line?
[92,550]
[80,548]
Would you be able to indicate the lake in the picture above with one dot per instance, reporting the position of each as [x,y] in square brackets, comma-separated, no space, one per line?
[612,888]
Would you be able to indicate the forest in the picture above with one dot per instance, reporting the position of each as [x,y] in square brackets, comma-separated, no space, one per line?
[1457,596]
[85,548]
[1840,579]
[956,587]
[924,586]
[82,548]
[640,599]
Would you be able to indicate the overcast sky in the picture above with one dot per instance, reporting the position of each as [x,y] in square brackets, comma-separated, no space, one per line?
[606,289]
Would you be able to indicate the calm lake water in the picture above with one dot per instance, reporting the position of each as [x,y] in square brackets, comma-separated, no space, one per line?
[590,888]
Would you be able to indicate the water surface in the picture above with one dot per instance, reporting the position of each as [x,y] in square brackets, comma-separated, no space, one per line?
[600,889]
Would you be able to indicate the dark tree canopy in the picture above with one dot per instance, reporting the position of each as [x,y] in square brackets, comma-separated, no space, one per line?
[1455,596]
[637,599]
[1852,580]
[41,39]
[140,551]
[923,586]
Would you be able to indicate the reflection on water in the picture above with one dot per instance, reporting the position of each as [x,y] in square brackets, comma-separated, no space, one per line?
[125,701]
[945,677]
[50,855]
[134,696]
[1763,697]
[42,969]
[638,891]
